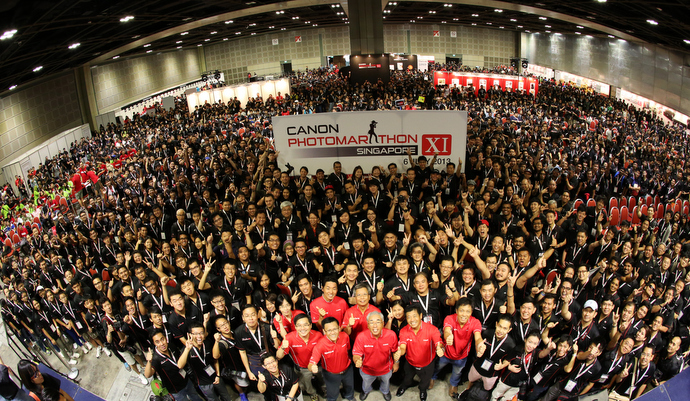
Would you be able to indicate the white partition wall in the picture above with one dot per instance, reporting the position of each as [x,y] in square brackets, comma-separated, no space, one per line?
[241,92]
[49,149]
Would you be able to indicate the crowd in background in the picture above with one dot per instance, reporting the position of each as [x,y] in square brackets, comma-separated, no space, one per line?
[190,250]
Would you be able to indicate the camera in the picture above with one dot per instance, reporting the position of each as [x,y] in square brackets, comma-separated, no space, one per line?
[401,199]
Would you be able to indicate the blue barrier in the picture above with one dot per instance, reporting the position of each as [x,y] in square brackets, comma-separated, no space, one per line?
[676,389]
[70,387]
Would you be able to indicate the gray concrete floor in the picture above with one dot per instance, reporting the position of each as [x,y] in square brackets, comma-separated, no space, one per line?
[106,377]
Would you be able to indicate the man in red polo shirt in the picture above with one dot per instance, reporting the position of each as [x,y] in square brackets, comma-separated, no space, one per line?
[459,330]
[376,354]
[329,304]
[420,342]
[299,344]
[332,351]
[355,320]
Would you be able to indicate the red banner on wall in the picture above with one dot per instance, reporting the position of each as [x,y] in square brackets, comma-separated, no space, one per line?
[506,83]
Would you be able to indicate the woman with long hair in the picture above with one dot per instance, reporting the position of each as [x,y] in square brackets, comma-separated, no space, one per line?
[35,381]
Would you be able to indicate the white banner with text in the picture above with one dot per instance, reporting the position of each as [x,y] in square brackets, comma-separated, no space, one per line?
[370,138]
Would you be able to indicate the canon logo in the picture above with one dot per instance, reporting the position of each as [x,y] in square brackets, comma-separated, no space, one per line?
[313,129]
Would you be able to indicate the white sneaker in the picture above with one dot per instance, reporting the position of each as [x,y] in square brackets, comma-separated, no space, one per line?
[98,352]
[75,346]
[75,355]
[89,346]
[84,350]
[107,352]
[72,362]
[143,379]
[61,354]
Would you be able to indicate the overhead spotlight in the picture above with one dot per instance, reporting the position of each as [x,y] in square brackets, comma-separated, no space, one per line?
[229,22]
[184,33]
[39,68]
[652,22]
[74,46]
[525,64]
[475,15]
[127,18]
[216,75]
[8,34]
[612,37]
[204,77]
[147,45]
[580,27]
[498,10]
[149,51]
[601,1]
[214,32]
[116,57]
[687,42]
[178,42]
[513,62]
[13,87]
[542,18]
[513,20]
[578,33]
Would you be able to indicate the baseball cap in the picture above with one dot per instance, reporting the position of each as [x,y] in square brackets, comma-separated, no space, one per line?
[471,182]
[486,223]
[591,304]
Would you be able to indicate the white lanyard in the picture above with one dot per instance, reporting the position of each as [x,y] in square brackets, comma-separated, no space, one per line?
[405,287]
[140,323]
[523,333]
[615,364]
[493,351]
[257,339]
[391,258]
[203,360]
[304,265]
[347,232]
[280,381]
[483,309]
[464,291]
[261,233]
[173,361]
[425,303]
[373,279]
[641,376]
[583,372]
[331,256]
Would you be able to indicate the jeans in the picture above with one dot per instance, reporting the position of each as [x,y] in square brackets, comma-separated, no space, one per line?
[368,380]
[188,393]
[458,364]
[333,381]
[536,392]
[211,390]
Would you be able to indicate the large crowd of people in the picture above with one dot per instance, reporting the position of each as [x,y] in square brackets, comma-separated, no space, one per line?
[185,246]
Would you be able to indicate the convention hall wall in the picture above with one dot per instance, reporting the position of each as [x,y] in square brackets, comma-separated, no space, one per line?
[34,114]
[645,69]
[263,54]
[121,82]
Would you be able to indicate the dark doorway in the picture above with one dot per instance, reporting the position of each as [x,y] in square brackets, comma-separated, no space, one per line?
[456,60]
[287,68]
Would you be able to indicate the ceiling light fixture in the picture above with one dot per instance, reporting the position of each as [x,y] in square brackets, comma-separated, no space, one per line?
[282,29]
[199,45]
[116,57]
[149,51]
[547,26]
[687,42]
[13,87]
[612,37]
[520,26]
[432,12]
[178,42]
[179,47]
[184,33]
[229,22]
[578,33]
[498,10]
[127,18]
[214,32]
[475,15]
[8,34]
[39,68]
[651,21]
[74,45]
[580,27]
[601,1]
[206,40]
[542,18]
[237,33]
[513,20]
[147,45]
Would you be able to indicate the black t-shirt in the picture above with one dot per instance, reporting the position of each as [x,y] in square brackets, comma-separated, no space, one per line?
[281,385]
[254,342]
[496,350]
[202,364]
[8,389]
[431,304]
[174,379]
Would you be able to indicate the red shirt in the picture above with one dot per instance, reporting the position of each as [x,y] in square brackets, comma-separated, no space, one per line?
[299,350]
[289,325]
[335,308]
[334,357]
[462,336]
[360,319]
[421,347]
[376,353]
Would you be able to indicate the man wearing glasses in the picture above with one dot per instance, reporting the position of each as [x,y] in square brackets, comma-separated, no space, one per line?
[299,344]
[332,352]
